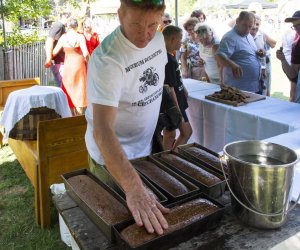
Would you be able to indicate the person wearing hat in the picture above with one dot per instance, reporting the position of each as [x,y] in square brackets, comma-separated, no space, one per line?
[292,71]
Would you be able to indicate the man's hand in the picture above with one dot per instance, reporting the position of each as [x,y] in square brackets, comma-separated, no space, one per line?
[146,210]
[48,63]
[236,71]
[280,55]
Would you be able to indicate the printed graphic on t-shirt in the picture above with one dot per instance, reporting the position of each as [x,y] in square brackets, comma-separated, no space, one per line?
[148,78]
[149,99]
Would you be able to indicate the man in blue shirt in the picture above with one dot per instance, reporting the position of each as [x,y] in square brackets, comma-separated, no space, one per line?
[237,54]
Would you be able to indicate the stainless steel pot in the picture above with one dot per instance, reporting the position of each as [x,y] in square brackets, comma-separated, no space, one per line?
[260,180]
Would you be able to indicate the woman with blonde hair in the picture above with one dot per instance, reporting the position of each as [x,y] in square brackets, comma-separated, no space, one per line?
[91,38]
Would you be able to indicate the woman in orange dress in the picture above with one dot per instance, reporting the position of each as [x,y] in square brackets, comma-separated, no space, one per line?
[91,38]
[75,69]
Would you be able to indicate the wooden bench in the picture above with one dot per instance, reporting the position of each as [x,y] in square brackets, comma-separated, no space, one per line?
[8,86]
[60,148]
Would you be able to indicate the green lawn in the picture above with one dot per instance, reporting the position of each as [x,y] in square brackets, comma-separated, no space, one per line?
[17,218]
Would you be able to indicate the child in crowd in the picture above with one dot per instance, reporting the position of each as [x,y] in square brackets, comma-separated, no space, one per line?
[173,36]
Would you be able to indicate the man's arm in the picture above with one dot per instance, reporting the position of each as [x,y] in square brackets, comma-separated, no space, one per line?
[49,48]
[270,41]
[290,70]
[58,46]
[224,61]
[184,66]
[145,209]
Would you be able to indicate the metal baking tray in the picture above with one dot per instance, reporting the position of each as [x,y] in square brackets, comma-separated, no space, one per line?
[182,150]
[113,185]
[193,189]
[104,226]
[166,241]
[214,191]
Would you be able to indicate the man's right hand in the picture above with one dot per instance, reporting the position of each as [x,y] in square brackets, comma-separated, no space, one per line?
[48,63]
[146,210]
[237,71]
[280,55]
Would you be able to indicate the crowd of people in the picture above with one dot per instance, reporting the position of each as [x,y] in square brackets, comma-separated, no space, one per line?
[132,89]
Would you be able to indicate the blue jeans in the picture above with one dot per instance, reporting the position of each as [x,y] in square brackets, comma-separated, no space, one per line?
[57,71]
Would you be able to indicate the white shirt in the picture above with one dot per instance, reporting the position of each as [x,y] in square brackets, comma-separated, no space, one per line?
[130,78]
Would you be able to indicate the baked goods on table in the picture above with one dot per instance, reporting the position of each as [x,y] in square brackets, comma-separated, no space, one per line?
[194,171]
[230,94]
[178,217]
[99,200]
[163,179]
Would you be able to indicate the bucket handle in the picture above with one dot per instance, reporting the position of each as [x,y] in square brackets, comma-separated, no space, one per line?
[222,159]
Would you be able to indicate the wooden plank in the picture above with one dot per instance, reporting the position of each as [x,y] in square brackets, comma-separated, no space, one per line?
[84,231]
[8,86]
[24,153]
[251,97]
[61,149]
[63,202]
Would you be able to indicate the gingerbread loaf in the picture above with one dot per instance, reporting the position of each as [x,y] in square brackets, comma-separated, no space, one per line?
[178,217]
[163,179]
[107,207]
[191,169]
[205,156]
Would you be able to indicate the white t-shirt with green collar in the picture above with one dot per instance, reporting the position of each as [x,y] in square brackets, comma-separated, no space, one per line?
[130,78]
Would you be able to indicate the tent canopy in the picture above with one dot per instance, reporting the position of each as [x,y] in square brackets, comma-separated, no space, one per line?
[245,4]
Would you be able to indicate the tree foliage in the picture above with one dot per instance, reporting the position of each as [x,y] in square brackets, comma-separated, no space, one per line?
[27,9]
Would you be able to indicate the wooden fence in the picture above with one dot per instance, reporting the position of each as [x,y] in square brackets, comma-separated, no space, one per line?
[25,61]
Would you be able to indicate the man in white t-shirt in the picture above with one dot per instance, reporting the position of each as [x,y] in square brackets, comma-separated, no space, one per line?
[124,89]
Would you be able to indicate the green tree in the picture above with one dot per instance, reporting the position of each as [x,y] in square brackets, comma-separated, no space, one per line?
[27,9]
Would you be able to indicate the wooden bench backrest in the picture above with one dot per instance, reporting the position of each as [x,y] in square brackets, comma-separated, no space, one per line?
[8,86]
[61,148]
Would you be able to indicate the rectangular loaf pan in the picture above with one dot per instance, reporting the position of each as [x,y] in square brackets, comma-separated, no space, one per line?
[214,191]
[182,150]
[105,227]
[161,197]
[183,234]
[171,198]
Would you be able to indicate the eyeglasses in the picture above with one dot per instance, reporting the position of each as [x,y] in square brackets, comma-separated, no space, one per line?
[167,21]
[297,26]
[155,2]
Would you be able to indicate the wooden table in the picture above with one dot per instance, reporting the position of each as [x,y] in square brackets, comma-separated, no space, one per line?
[230,234]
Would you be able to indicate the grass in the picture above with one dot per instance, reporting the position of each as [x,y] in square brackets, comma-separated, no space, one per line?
[280,95]
[17,218]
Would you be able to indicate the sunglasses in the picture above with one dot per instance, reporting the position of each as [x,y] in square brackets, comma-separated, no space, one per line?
[155,2]
[167,21]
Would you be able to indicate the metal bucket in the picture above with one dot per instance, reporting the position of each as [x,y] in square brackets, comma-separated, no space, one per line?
[260,180]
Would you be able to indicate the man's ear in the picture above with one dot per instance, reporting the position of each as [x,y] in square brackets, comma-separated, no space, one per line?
[121,14]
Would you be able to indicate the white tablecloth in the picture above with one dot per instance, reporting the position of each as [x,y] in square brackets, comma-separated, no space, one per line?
[215,124]
[291,140]
[21,101]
